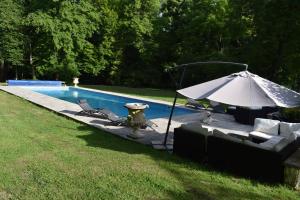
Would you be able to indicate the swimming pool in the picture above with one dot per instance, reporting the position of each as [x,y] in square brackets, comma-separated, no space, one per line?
[112,102]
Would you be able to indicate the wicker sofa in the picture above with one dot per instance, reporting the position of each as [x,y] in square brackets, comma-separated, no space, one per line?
[247,158]
[190,141]
[242,157]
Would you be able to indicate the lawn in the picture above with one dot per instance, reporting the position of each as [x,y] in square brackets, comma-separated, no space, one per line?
[47,156]
[158,94]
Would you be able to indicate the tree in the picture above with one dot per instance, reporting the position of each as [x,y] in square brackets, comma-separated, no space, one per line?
[11,36]
[63,29]
[134,40]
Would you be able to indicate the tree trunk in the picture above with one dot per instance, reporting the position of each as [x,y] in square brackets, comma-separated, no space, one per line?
[16,73]
[2,71]
[277,61]
[31,63]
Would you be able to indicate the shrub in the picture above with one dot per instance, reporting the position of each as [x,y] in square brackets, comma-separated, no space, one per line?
[292,114]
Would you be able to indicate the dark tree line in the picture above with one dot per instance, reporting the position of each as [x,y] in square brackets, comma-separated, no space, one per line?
[132,42]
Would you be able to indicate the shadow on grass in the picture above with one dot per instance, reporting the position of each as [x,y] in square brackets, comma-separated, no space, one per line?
[194,188]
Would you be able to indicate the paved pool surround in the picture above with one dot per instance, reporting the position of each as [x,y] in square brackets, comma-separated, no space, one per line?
[70,109]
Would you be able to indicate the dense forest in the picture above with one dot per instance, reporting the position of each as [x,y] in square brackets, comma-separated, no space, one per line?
[133,42]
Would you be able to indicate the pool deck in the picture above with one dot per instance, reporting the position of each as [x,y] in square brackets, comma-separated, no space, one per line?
[70,110]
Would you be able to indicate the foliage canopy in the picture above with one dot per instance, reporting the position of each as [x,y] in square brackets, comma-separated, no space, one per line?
[131,42]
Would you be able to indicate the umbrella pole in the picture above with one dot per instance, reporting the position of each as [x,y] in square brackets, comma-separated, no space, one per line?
[180,82]
[173,107]
[170,119]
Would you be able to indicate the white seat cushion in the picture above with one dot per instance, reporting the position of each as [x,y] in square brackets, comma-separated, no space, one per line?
[272,142]
[266,126]
[250,143]
[220,134]
[285,142]
[260,135]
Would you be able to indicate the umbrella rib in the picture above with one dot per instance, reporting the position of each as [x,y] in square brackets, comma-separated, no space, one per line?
[218,88]
[262,89]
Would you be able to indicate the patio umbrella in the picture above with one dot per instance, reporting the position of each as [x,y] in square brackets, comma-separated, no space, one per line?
[244,89]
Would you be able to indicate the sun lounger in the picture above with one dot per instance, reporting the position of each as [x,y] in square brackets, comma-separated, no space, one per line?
[193,103]
[88,110]
[107,114]
[122,121]
[114,118]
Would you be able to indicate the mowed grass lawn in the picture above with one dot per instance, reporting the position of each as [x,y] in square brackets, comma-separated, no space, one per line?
[158,94]
[47,156]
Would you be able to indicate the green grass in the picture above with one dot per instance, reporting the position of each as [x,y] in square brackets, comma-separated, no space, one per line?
[158,94]
[47,156]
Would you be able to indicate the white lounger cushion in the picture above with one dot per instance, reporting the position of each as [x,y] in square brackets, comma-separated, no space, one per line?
[267,126]
[286,129]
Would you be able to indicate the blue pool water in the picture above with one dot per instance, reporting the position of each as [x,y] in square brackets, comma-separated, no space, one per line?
[111,102]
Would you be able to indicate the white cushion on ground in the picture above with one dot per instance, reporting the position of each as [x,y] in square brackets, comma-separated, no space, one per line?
[266,126]
[260,135]
[271,143]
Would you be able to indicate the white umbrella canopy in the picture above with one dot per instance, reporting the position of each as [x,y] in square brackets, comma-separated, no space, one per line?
[244,89]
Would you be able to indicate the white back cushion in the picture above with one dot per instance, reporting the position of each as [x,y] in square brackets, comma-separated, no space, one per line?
[286,129]
[266,126]
[295,127]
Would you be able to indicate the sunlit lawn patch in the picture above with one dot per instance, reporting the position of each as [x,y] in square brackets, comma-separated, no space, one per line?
[47,156]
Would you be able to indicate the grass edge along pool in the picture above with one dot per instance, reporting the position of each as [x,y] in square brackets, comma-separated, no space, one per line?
[115,103]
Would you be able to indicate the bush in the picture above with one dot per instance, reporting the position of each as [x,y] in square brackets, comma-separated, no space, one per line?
[292,114]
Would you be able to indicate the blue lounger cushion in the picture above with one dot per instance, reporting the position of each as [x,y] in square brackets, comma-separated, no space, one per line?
[33,83]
